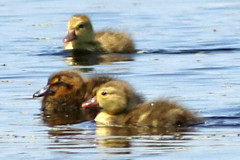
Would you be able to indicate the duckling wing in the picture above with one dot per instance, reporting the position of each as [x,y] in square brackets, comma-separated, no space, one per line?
[162,113]
[115,42]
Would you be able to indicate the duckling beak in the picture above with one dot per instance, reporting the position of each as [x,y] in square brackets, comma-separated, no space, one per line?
[90,103]
[44,91]
[70,36]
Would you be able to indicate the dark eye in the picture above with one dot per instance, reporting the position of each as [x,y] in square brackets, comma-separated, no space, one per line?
[60,83]
[104,93]
[81,26]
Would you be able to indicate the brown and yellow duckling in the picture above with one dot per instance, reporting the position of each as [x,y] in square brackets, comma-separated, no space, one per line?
[64,94]
[121,108]
[81,36]
[66,90]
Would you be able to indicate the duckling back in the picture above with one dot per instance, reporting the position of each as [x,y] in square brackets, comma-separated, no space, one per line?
[114,42]
[162,113]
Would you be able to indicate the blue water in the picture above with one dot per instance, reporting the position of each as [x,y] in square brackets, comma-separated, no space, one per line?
[193,58]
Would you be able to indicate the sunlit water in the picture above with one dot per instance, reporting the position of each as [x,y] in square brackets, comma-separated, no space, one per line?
[194,59]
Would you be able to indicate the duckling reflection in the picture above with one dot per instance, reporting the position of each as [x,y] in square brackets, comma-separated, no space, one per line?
[64,94]
[69,117]
[114,142]
[84,58]
[81,36]
[124,137]
[121,108]
[135,130]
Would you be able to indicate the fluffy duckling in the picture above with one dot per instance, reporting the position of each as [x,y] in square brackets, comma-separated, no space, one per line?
[81,36]
[120,107]
[66,90]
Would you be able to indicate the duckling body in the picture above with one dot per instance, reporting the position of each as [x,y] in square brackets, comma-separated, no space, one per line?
[160,113]
[128,112]
[64,94]
[81,36]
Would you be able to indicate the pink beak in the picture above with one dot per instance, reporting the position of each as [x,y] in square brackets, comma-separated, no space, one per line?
[90,103]
[70,36]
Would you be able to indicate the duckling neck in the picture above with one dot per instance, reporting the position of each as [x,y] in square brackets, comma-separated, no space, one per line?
[71,102]
[103,118]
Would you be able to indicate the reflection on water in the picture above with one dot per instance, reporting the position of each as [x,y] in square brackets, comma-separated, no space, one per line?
[85,58]
[71,117]
[118,140]
[128,142]
[132,131]
[123,137]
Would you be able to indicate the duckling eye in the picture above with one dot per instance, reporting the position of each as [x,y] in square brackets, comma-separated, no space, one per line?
[81,26]
[104,93]
[60,83]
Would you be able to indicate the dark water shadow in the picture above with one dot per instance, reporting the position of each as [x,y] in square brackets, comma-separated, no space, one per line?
[222,121]
[139,51]
[195,51]
[222,117]
[69,117]
[86,58]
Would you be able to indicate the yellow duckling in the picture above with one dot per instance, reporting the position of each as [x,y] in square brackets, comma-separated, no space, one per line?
[81,36]
[121,107]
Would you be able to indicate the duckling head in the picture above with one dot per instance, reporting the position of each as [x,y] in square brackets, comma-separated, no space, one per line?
[80,31]
[114,97]
[61,84]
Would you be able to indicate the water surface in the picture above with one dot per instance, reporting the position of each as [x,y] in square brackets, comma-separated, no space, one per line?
[193,59]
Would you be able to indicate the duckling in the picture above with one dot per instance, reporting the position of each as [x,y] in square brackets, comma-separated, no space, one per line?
[67,89]
[121,107]
[62,92]
[81,36]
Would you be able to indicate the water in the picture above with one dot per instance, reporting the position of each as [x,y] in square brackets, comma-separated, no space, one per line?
[194,59]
